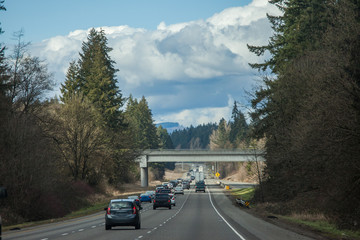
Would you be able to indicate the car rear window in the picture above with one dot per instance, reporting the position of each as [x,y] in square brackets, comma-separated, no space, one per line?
[162,196]
[165,191]
[119,205]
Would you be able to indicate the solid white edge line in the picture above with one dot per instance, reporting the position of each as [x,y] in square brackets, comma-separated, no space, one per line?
[239,235]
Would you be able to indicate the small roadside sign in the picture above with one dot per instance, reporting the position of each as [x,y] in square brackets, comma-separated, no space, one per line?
[217,174]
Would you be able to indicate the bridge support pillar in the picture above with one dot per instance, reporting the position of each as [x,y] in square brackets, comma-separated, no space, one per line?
[144,171]
[144,177]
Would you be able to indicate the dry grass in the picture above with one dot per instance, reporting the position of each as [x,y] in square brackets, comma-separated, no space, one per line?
[309,216]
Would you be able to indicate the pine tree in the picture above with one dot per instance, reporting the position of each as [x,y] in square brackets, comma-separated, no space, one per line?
[239,127]
[71,86]
[219,139]
[139,117]
[165,143]
[300,28]
[94,76]
[149,136]
[164,137]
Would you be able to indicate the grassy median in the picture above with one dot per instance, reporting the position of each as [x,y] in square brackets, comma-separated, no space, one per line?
[245,194]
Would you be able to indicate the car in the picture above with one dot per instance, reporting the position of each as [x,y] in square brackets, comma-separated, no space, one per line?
[162,200]
[172,199]
[137,200]
[200,186]
[122,212]
[179,190]
[145,198]
[173,182]
[159,188]
[168,191]
[151,194]
[186,184]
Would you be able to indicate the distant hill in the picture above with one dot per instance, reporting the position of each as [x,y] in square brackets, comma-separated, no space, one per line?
[170,126]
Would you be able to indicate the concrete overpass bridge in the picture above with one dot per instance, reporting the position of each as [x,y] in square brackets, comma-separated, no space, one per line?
[150,156]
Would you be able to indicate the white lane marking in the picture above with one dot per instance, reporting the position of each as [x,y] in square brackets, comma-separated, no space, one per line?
[64,234]
[93,226]
[239,235]
[44,239]
[173,216]
[80,230]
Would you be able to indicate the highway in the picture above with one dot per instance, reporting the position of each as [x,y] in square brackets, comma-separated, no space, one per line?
[207,215]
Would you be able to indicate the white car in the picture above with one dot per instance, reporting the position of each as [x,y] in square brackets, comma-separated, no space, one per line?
[172,199]
[179,190]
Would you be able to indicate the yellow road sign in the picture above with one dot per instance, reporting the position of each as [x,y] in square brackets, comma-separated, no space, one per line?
[217,174]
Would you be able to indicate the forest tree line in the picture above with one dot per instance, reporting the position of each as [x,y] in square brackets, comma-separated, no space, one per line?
[308,108]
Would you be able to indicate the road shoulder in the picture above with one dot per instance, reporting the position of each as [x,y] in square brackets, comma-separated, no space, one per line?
[257,226]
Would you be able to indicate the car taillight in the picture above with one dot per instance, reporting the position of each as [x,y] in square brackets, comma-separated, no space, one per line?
[169,200]
[134,210]
[154,200]
[108,211]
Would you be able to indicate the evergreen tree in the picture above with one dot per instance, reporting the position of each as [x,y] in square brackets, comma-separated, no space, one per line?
[193,137]
[4,75]
[150,138]
[165,143]
[308,109]
[94,76]
[219,139]
[239,127]
[139,117]
[144,132]
[298,29]
[72,84]
[164,137]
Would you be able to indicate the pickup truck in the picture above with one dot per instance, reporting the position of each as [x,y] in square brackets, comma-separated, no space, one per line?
[200,186]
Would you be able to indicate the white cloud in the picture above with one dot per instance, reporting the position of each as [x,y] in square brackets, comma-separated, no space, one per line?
[179,54]
[199,116]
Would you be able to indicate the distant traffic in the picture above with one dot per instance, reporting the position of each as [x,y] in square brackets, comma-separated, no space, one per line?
[126,212]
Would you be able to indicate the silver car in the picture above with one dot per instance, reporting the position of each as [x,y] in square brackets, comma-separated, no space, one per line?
[179,190]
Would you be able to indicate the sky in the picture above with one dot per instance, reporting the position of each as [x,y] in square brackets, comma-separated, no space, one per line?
[188,58]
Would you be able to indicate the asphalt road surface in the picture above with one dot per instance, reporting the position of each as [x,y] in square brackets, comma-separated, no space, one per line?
[207,216]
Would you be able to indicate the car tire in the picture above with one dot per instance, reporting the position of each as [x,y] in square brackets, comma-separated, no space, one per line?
[107,227]
[154,208]
[174,204]
[137,226]
[170,207]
